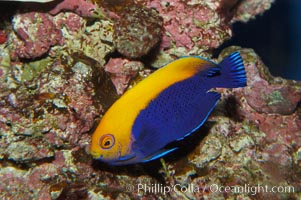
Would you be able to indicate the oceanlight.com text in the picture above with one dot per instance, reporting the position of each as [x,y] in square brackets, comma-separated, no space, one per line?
[214,188]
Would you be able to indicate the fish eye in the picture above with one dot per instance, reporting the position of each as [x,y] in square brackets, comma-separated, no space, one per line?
[106,141]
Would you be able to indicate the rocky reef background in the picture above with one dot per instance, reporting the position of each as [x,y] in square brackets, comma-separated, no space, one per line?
[63,63]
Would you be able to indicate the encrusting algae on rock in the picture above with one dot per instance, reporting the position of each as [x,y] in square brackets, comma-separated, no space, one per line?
[137,31]
[51,100]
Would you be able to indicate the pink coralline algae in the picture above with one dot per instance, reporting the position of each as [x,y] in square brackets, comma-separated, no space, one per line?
[29,151]
[92,41]
[36,33]
[81,7]
[192,24]
[61,109]
[137,31]
[249,9]
[270,95]
[72,22]
[122,71]
[2,37]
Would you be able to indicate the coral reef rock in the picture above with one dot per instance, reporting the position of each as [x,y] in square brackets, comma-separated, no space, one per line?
[37,33]
[59,72]
[137,31]
[122,71]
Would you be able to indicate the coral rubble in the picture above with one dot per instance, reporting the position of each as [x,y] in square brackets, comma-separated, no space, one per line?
[81,7]
[122,71]
[37,33]
[59,72]
[137,31]
[2,37]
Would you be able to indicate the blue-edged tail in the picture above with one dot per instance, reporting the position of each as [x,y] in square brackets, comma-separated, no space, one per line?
[230,72]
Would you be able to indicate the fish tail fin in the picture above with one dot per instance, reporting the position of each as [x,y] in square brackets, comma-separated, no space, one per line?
[232,72]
